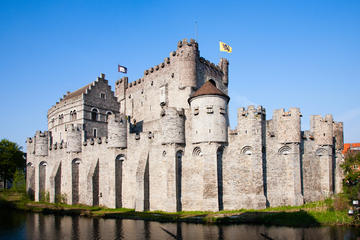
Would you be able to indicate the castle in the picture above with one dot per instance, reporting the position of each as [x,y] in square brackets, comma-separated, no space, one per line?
[163,142]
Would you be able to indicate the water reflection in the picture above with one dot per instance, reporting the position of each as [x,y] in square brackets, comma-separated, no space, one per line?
[19,225]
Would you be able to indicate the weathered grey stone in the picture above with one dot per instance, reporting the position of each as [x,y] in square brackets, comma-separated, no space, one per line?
[158,145]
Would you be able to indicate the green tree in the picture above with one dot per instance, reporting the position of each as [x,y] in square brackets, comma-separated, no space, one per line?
[11,159]
[351,182]
[19,182]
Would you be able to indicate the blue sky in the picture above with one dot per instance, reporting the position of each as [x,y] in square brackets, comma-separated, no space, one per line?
[302,54]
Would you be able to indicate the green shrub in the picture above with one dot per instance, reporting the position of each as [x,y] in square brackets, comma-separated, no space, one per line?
[61,198]
[341,203]
[45,197]
[351,182]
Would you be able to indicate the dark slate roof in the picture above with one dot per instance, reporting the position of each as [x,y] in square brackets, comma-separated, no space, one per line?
[208,88]
[77,92]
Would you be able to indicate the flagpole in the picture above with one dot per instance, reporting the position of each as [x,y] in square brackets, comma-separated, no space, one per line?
[196,31]
[219,52]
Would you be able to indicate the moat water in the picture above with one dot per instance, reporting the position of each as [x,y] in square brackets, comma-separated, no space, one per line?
[24,225]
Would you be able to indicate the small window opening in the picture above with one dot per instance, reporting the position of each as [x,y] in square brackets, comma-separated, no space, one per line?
[94,132]
[102,95]
[94,114]
[196,111]
[212,82]
[107,115]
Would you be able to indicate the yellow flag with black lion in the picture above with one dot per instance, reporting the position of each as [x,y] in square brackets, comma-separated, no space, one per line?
[224,47]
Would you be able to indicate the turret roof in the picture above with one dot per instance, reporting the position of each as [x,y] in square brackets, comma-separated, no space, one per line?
[208,88]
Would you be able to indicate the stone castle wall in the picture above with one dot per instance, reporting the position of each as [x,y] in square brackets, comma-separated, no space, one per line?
[162,150]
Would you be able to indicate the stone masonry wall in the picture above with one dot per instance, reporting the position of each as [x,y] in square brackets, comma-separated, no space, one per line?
[157,151]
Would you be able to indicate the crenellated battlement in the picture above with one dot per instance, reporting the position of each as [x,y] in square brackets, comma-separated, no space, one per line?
[322,128]
[211,65]
[250,121]
[287,125]
[146,147]
[183,63]
[99,141]
[250,112]
[41,143]
[192,44]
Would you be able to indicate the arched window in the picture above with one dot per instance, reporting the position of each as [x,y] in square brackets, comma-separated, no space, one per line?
[42,181]
[94,114]
[178,173]
[219,164]
[247,150]
[320,152]
[75,180]
[118,180]
[74,115]
[107,115]
[284,150]
[212,82]
[61,118]
[197,152]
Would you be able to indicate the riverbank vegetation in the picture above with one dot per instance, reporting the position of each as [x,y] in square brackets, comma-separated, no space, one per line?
[12,160]
[332,211]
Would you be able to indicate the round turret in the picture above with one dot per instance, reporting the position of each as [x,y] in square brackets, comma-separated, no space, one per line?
[209,114]
[41,143]
[73,139]
[172,125]
[186,55]
[117,131]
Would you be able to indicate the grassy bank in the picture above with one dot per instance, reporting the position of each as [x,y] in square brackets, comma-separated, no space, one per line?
[311,214]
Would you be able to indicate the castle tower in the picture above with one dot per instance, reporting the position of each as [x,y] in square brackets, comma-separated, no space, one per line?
[246,145]
[187,54]
[209,135]
[172,125]
[117,131]
[73,139]
[283,155]
[322,130]
[41,143]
